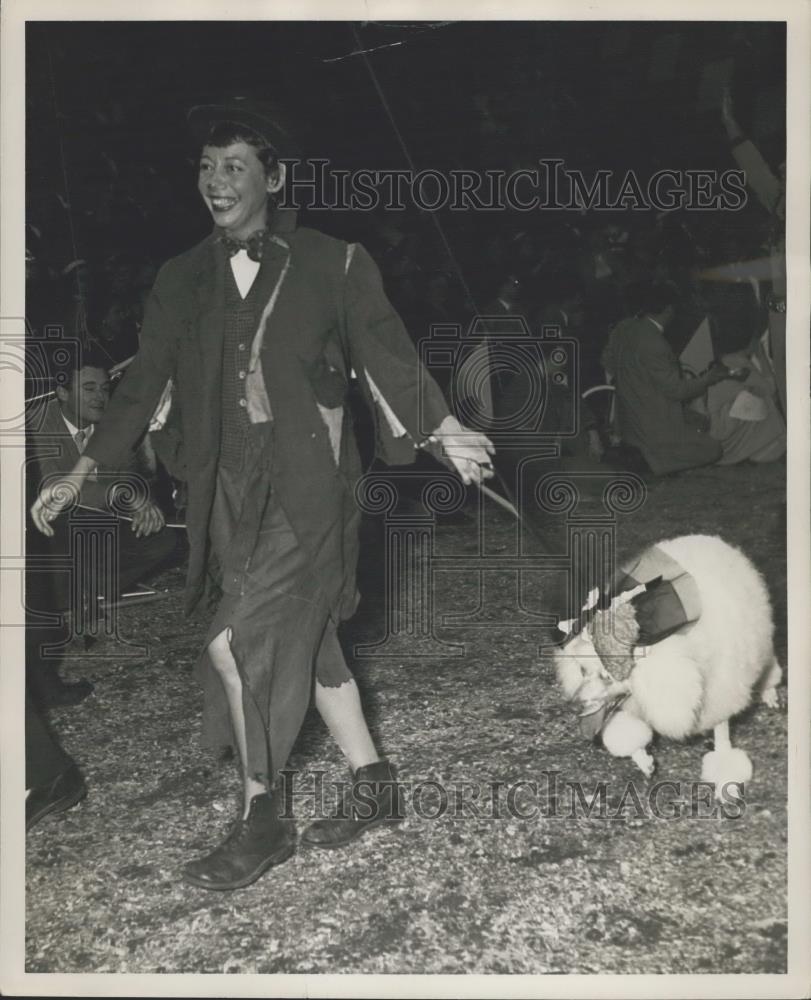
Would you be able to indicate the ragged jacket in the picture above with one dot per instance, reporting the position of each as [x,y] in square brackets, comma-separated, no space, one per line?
[329,318]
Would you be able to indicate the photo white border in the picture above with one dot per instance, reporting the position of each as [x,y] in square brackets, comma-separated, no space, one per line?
[797,982]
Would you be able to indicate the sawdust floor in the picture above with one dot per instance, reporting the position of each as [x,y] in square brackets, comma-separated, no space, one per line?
[454,889]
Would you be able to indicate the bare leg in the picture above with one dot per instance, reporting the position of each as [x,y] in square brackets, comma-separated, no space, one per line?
[341,710]
[375,796]
[224,663]
[262,838]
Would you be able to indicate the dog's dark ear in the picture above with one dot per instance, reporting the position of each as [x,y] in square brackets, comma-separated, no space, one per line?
[659,612]
[591,725]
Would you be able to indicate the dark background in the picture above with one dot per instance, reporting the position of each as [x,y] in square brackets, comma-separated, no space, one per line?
[106,105]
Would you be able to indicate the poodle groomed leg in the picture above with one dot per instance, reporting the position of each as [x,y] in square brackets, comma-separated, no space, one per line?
[720,736]
[768,694]
[625,735]
[725,765]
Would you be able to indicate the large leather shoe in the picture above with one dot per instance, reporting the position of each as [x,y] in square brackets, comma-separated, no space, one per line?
[252,846]
[64,791]
[374,798]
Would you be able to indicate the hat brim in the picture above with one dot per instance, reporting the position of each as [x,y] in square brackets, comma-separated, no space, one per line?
[202,117]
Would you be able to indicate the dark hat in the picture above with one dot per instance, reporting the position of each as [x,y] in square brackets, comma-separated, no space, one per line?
[262,118]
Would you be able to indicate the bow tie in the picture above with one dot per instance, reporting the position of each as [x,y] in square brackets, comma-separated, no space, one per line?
[255,244]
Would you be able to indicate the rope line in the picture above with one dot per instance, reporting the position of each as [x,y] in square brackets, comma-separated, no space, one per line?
[404,147]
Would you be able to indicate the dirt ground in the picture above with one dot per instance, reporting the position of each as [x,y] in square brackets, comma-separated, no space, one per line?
[457,890]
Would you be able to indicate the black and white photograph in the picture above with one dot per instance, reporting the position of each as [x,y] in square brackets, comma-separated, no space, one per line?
[405,460]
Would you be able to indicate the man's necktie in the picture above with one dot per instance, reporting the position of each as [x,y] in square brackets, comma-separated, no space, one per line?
[255,244]
[80,437]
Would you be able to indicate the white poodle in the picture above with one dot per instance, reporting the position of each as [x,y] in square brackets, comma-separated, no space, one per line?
[694,680]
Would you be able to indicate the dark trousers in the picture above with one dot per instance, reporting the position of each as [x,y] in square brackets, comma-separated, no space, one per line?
[44,758]
[57,565]
[58,579]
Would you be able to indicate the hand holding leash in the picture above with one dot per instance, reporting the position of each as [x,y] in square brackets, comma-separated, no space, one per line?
[468,451]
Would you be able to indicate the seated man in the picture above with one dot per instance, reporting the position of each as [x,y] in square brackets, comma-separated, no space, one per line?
[744,415]
[55,442]
[651,391]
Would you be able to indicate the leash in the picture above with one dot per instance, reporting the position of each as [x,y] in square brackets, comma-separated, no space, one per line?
[596,712]
[122,517]
[437,450]
[500,500]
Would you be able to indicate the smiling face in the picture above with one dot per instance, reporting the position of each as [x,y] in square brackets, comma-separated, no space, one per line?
[235,187]
[86,399]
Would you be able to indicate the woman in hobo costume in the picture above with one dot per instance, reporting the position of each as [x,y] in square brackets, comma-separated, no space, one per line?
[259,327]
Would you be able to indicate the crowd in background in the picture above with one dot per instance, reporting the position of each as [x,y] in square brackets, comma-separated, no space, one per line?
[111,192]
[592,263]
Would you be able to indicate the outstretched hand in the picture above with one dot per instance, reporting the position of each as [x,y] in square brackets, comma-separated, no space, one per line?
[147,520]
[719,372]
[469,451]
[54,497]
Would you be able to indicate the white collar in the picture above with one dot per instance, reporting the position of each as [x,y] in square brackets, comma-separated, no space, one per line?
[656,323]
[74,430]
[244,270]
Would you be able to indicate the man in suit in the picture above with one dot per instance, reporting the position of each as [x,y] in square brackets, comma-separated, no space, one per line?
[58,435]
[82,394]
[651,391]
[259,326]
